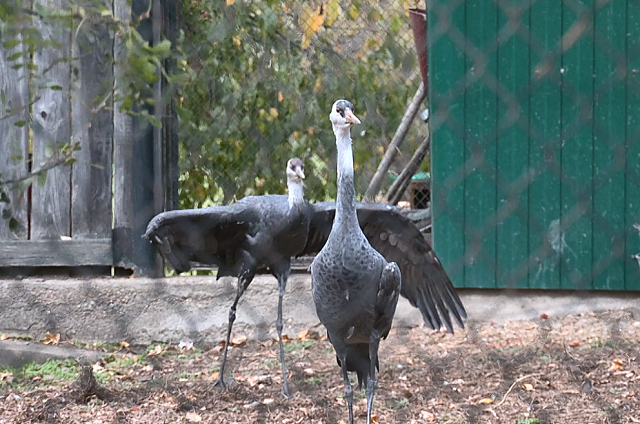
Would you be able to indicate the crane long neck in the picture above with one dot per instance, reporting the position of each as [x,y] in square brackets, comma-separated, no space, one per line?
[346,206]
[296,193]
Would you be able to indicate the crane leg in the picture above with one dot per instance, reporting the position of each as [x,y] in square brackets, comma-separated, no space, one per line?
[348,390]
[282,286]
[243,283]
[374,343]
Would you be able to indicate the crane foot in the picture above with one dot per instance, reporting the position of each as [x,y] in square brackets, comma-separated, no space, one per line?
[220,383]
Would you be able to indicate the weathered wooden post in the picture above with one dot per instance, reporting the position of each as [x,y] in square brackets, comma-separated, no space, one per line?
[171,12]
[134,167]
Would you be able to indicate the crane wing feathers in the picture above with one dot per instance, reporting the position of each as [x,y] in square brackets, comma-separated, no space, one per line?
[320,227]
[199,235]
[424,281]
[387,300]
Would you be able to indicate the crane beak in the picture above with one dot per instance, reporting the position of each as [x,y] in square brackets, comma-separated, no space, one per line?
[299,172]
[350,118]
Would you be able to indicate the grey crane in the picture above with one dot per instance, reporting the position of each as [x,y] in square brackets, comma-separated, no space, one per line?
[425,282]
[355,289]
[214,235]
[255,232]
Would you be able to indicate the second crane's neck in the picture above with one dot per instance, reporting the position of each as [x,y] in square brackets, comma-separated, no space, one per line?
[296,194]
[346,205]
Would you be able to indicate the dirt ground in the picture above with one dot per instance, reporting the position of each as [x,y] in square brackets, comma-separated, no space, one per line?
[582,368]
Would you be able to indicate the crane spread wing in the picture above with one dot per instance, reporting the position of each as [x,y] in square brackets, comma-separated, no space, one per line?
[424,281]
[201,235]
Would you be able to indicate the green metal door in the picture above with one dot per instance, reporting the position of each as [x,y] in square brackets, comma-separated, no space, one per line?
[536,142]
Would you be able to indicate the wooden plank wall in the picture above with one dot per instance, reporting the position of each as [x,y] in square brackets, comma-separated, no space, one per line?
[14,133]
[577,153]
[609,146]
[480,147]
[447,106]
[51,201]
[70,220]
[632,168]
[92,110]
[512,233]
[544,154]
[535,161]
[123,158]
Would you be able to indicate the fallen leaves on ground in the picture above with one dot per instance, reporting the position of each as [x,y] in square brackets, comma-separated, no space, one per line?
[193,417]
[616,365]
[6,377]
[425,377]
[156,351]
[51,339]
[309,335]
[239,341]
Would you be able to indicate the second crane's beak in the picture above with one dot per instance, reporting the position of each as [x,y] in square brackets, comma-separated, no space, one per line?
[299,172]
[350,118]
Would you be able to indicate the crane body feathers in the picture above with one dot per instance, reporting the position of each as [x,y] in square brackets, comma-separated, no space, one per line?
[348,264]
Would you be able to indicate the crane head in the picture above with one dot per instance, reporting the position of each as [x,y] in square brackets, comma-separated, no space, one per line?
[295,170]
[342,115]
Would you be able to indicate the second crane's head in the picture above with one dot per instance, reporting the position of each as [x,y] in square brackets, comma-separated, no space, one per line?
[295,171]
[342,116]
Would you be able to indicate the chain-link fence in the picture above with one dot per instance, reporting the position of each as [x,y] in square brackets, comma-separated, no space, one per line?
[265,76]
[534,172]
[534,152]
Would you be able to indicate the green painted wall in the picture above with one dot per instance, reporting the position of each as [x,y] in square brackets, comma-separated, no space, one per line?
[535,120]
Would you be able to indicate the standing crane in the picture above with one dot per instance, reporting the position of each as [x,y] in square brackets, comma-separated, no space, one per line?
[240,237]
[255,232]
[355,289]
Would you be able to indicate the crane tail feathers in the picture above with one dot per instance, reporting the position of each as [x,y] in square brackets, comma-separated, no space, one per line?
[358,361]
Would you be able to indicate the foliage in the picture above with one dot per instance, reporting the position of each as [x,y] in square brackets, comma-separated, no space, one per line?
[254,82]
[28,28]
[263,85]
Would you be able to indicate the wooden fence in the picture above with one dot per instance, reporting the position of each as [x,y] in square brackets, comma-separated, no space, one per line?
[91,212]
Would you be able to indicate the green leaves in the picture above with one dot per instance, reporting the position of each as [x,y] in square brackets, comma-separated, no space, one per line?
[162,50]
[28,27]
[6,209]
[257,98]
[11,44]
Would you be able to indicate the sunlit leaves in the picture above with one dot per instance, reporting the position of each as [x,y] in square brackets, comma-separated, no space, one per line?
[249,108]
[333,11]
[310,21]
[353,12]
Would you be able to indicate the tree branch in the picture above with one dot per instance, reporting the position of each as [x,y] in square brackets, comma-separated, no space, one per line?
[398,138]
[61,156]
[19,110]
[58,159]
[399,186]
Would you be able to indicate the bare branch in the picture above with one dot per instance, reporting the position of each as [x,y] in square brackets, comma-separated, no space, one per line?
[19,110]
[398,138]
[400,185]
[57,159]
